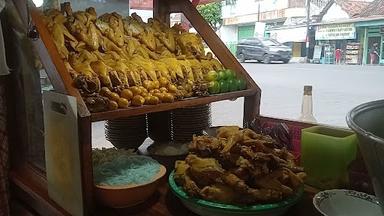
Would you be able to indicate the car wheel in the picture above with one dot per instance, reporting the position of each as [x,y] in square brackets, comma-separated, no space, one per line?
[286,61]
[241,57]
[266,59]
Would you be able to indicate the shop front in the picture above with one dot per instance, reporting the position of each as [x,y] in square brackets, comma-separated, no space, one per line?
[372,40]
[293,37]
[338,43]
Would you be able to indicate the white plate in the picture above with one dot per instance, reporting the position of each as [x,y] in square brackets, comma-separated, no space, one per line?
[346,203]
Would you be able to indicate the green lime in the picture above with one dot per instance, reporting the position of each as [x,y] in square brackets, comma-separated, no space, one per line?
[230,74]
[211,76]
[214,87]
[241,84]
[224,87]
[222,75]
[232,84]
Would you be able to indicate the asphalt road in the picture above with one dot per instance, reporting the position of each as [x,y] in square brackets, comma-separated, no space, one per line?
[336,90]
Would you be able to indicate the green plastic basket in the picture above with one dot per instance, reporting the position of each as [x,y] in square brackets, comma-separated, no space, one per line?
[210,208]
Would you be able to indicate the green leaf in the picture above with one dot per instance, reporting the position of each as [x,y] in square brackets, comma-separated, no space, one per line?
[212,14]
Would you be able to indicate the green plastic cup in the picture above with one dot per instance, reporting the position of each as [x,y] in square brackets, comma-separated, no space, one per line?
[326,154]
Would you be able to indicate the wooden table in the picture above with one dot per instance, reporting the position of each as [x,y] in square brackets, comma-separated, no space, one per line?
[164,203]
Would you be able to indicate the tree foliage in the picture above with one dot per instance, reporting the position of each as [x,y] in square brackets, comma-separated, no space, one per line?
[212,14]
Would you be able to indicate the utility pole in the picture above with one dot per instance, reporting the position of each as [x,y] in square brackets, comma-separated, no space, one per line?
[308,6]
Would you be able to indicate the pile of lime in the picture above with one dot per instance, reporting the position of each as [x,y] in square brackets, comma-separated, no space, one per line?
[224,81]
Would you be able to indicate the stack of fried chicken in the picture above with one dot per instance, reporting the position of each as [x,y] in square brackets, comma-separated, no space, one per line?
[238,166]
[117,53]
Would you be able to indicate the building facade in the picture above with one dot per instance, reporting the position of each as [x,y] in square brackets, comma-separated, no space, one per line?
[352,31]
[253,18]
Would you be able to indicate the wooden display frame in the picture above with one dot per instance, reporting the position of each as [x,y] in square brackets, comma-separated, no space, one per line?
[37,195]
[62,81]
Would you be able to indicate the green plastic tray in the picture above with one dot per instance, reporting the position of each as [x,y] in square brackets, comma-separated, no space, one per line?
[210,208]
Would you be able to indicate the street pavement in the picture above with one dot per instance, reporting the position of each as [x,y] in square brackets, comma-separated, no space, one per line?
[336,90]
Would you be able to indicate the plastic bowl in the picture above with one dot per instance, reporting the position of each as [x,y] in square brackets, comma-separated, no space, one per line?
[210,208]
[367,120]
[129,195]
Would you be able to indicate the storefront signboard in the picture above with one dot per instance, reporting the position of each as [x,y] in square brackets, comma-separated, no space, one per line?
[336,32]
[295,34]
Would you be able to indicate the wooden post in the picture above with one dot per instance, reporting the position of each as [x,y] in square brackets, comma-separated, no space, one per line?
[161,11]
[85,149]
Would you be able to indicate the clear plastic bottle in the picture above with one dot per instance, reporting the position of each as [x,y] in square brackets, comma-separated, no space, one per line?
[307,106]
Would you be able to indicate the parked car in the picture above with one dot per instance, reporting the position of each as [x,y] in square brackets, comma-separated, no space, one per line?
[262,49]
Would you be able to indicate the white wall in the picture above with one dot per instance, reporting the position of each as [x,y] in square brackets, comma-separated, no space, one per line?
[244,7]
[228,33]
[295,12]
[289,35]
[335,13]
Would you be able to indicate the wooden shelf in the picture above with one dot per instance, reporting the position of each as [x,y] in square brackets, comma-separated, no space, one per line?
[63,83]
[133,111]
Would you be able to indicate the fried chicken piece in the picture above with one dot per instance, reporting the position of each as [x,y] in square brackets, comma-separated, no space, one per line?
[156,26]
[96,103]
[121,70]
[190,186]
[174,68]
[147,65]
[227,131]
[218,192]
[191,44]
[168,39]
[87,85]
[70,69]
[161,69]
[131,44]
[251,195]
[196,68]
[206,66]
[216,65]
[132,25]
[148,39]
[182,178]
[58,39]
[205,146]
[242,173]
[231,142]
[81,25]
[181,168]
[111,25]
[102,71]
[60,34]
[206,170]
[187,69]
[294,180]
[66,8]
[84,69]
[272,181]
